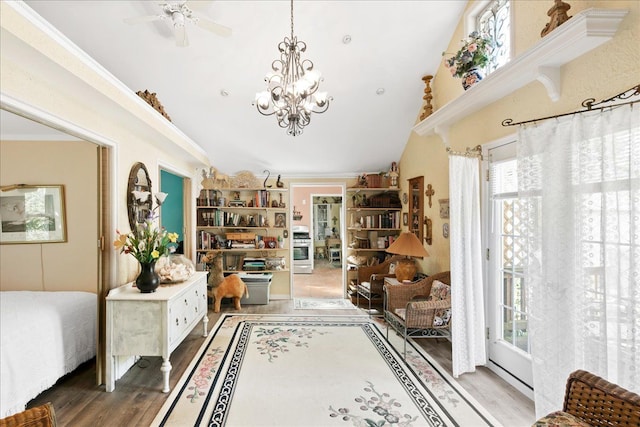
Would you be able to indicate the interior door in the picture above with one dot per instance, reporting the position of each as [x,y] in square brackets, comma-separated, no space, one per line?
[507,307]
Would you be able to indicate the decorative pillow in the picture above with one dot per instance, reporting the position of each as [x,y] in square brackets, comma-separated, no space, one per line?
[442,318]
[439,291]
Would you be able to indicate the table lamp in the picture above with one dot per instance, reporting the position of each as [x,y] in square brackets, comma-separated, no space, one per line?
[409,246]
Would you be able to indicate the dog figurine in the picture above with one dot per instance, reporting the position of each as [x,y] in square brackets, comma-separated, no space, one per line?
[231,287]
[223,287]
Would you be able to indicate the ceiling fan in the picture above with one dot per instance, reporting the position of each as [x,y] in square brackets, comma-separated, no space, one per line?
[177,13]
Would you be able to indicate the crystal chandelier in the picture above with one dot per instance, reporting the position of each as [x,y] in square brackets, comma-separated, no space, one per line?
[292,88]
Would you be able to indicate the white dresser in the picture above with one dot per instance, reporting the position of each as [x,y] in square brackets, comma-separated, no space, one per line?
[153,324]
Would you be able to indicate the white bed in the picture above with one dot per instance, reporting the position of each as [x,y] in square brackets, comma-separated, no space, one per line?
[43,336]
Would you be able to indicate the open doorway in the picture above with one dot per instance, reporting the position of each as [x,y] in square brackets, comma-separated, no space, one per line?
[319,209]
[176,209]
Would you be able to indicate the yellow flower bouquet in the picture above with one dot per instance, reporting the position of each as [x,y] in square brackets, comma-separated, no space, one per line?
[146,243]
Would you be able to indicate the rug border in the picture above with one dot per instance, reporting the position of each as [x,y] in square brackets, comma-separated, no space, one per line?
[449,379]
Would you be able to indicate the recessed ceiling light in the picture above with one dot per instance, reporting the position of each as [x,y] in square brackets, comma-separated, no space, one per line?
[346,39]
[223,92]
[380,91]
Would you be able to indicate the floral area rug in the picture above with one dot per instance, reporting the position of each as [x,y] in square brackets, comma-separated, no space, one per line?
[322,304]
[280,370]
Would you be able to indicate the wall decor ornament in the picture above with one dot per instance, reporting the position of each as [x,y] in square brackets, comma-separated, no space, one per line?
[152,99]
[245,179]
[558,16]
[469,62]
[444,208]
[427,110]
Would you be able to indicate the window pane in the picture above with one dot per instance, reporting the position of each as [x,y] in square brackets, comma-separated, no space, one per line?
[507,321]
[521,335]
[495,21]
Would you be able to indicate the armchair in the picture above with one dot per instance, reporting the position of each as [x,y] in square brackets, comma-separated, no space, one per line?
[419,309]
[371,280]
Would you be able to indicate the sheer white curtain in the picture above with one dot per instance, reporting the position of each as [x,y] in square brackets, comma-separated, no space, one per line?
[579,182]
[467,299]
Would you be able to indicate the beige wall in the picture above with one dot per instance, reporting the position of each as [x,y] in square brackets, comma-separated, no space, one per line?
[600,74]
[72,265]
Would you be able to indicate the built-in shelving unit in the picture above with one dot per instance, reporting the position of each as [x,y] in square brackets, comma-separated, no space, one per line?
[582,33]
[245,224]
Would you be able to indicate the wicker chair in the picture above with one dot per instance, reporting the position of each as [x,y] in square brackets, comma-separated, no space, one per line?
[411,314]
[593,401]
[40,416]
[374,274]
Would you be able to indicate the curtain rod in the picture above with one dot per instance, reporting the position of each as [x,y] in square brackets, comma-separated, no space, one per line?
[588,105]
[470,152]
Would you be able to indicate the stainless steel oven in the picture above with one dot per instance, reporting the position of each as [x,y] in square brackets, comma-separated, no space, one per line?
[302,250]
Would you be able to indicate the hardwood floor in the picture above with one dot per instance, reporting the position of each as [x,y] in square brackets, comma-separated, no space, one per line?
[78,402]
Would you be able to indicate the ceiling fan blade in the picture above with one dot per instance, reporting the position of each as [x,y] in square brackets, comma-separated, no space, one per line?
[140,19]
[214,27]
[181,36]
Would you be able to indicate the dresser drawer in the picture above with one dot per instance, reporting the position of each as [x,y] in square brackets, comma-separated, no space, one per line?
[186,310]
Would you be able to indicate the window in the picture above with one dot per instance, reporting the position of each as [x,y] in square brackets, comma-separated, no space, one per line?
[495,20]
[510,252]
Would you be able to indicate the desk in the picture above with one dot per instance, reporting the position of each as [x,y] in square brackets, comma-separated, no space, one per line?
[153,324]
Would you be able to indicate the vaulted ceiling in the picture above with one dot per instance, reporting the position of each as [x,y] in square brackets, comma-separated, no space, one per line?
[207,87]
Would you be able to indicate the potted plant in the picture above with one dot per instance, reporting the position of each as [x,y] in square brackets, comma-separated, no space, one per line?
[469,62]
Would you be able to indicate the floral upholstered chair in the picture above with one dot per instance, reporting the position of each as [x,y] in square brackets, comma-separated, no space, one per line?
[419,309]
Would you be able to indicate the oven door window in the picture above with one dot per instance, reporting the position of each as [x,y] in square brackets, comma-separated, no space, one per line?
[300,253]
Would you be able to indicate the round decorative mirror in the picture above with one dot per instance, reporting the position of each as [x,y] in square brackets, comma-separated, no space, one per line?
[138,194]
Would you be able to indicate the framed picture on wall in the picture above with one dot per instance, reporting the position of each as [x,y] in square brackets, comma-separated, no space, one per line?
[32,214]
[444,208]
[280,220]
[405,218]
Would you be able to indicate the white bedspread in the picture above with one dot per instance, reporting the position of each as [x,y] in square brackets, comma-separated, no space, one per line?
[43,336]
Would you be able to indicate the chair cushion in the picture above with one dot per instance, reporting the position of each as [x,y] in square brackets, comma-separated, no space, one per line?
[439,291]
[560,419]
